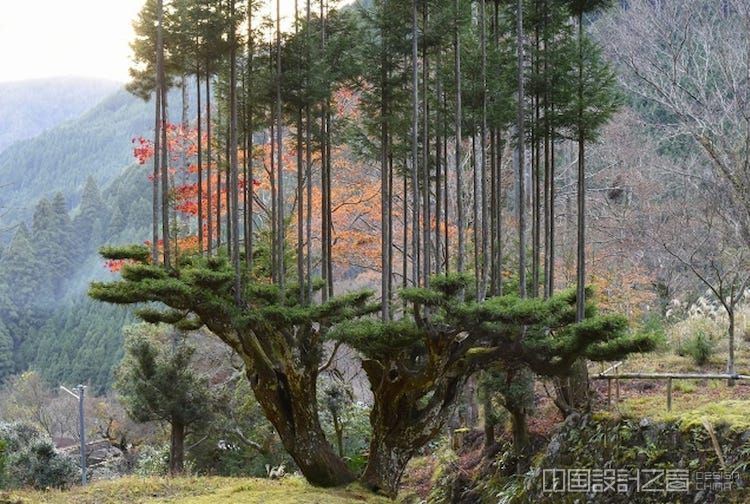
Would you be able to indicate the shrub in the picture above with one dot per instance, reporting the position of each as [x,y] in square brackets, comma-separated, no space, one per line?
[654,326]
[700,348]
[683,334]
[153,461]
[32,460]
[3,458]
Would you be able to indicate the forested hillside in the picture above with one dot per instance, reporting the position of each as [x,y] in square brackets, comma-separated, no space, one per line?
[97,144]
[53,231]
[31,107]
[49,324]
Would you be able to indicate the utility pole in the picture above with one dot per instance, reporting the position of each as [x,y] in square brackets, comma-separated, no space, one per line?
[81,426]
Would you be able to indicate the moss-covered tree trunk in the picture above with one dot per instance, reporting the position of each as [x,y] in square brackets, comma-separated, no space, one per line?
[387,461]
[409,410]
[289,401]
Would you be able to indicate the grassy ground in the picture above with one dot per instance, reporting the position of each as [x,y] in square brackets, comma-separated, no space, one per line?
[692,400]
[204,490]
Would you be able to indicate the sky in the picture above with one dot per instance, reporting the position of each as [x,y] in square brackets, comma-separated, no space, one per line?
[82,38]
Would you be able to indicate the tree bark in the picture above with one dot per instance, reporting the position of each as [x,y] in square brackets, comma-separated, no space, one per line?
[409,410]
[155,189]
[281,277]
[521,202]
[233,162]
[386,464]
[289,401]
[200,160]
[730,362]
[177,449]
[520,432]
[209,203]
[459,175]
[162,86]
[490,444]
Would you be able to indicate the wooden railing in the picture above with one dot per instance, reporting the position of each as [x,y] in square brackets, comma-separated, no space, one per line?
[613,374]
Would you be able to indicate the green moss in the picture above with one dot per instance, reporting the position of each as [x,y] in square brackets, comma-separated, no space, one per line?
[204,490]
[690,412]
[686,386]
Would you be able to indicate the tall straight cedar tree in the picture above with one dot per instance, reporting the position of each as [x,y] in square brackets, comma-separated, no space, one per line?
[521,169]
[234,180]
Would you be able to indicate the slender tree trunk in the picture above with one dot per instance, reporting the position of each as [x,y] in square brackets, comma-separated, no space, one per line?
[494,183]
[551,214]
[426,185]
[250,176]
[537,177]
[234,179]
[329,200]
[581,244]
[161,84]
[338,429]
[200,161]
[475,226]
[280,152]
[274,203]
[228,190]
[579,382]
[439,159]
[308,162]
[405,240]
[324,215]
[730,361]
[446,199]
[415,238]
[483,151]
[499,214]
[490,444]
[219,170]
[209,160]
[499,177]
[300,211]
[521,203]
[177,449]
[384,186]
[300,190]
[520,430]
[165,207]
[156,174]
[581,189]
[459,175]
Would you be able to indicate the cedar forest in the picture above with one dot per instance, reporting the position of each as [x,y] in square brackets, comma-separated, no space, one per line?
[367,228]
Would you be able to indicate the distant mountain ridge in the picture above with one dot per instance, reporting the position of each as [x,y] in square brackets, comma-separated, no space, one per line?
[95,144]
[29,107]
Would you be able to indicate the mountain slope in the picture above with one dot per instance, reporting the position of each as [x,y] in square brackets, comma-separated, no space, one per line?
[30,107]
[97,144]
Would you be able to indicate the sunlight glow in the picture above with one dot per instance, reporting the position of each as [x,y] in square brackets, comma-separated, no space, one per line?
[87,38]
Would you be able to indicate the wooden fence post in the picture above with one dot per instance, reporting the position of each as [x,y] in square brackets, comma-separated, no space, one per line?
[669,394]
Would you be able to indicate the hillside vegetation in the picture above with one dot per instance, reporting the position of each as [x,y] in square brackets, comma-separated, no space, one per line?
[97,144]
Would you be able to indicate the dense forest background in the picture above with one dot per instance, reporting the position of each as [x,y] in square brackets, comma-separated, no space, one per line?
[87,190]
